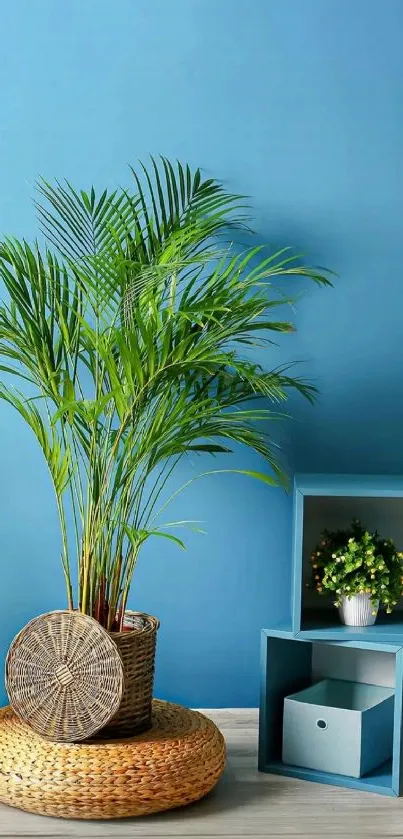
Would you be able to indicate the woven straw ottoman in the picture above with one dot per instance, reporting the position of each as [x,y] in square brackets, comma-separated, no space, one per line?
[175,763]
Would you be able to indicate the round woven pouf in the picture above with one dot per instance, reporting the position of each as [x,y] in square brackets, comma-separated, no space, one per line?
[176,762]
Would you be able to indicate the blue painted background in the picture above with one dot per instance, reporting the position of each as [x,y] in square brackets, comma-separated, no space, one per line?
[299,105]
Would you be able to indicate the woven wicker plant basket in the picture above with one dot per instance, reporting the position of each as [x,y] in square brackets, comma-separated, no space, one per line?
[69,678]
[136,645]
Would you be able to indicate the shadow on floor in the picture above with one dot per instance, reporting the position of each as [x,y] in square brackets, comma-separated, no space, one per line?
[229,794]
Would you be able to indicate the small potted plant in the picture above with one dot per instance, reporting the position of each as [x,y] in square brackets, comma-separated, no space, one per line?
[361,569]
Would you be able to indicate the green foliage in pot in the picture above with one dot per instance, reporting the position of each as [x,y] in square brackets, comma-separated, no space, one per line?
[356,561]
[131,333]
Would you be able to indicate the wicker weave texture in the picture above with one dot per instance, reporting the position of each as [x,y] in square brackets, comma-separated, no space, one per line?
[175,763]
[137,651]
[64,676]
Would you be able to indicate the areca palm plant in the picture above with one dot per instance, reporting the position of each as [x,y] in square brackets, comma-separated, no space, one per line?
[131,331]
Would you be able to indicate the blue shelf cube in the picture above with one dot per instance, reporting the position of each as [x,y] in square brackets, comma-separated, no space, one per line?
[332,501]
[290,665]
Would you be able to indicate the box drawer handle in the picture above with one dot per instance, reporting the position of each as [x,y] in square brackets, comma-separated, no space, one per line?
[321,724]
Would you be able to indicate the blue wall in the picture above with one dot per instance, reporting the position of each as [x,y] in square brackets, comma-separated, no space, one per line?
[300,105]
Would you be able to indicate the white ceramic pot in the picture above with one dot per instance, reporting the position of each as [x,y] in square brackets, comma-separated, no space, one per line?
[357,610]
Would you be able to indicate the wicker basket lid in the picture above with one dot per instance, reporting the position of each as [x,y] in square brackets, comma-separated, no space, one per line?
[64,676]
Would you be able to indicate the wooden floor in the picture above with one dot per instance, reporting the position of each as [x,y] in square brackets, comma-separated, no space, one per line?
[245,803]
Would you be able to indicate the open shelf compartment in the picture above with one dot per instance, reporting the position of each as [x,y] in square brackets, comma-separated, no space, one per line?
[291,664]
[332,502]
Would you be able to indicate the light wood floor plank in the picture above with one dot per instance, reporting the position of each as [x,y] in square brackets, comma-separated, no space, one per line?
[246,803]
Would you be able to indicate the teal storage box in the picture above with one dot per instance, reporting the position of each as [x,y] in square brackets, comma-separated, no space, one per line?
[339,726]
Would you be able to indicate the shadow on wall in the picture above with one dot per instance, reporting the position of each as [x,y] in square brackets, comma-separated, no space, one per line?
[356,427]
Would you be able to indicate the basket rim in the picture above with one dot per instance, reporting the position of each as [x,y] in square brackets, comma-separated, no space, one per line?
[151,624]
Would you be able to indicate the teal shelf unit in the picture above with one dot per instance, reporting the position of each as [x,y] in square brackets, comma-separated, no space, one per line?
[287,667]
[333,501]
[288,650]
